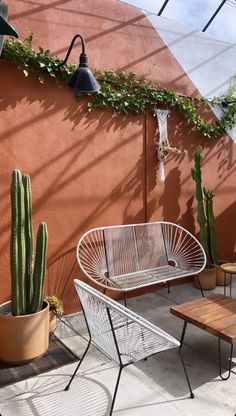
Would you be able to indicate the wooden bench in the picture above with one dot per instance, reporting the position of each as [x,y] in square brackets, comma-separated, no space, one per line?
[215,314]
[128,257]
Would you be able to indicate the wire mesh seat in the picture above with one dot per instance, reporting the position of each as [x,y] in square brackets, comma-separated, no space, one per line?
[127,257]
[119,333]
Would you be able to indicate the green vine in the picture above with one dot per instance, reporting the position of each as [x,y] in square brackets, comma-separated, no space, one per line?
[122,91]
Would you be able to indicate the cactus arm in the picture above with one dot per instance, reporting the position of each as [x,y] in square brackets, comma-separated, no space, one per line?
[29,240]
[27,285]
[211,225]
[14,244]
[17,245]
[39,268]
[21,248]
[201,216]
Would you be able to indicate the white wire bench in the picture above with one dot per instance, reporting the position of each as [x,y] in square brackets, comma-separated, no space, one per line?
[127,257]
[120,334]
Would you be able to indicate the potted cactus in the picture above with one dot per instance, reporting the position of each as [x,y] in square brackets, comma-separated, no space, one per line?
[24,320]
[206,220]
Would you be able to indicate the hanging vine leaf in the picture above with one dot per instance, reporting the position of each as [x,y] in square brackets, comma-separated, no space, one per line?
[122,91]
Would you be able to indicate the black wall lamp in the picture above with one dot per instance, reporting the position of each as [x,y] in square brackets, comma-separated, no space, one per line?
[225,103]
[5,27]
[82,80]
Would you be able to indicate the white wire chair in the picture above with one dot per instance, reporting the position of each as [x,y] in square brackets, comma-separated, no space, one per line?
[119,333]
[127,257]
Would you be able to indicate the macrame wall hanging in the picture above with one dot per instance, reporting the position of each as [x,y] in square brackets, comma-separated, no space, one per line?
[162,144]
[163,148]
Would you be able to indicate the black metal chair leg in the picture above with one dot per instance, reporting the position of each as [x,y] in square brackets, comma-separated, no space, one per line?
[183,334]
[186,374]
[230,361]
[73,375]
[200,286]
[115,392]
[168,286]
[125,302]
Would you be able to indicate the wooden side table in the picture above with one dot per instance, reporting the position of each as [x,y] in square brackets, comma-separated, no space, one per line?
[215,314]
[229,268]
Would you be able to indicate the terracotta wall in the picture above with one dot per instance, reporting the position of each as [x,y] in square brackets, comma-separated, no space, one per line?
[96,169]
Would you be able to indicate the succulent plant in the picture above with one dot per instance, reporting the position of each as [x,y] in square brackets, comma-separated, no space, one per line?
[55,305]
[27,276]
[205,216]
[211,229]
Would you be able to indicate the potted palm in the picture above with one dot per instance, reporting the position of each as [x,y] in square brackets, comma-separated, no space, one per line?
[206,220]
[24,320]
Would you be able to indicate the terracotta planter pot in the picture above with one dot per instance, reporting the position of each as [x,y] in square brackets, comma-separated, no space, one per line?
[221,279]
[52,321]
[207,279]
[25,337]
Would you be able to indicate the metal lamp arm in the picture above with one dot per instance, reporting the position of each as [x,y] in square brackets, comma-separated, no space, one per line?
[71,46]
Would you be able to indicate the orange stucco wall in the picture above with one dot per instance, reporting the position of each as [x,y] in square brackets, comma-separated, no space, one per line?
[99,168]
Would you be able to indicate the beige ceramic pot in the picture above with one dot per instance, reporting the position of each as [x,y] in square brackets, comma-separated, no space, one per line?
[207,279]
[52,321]
[25,337]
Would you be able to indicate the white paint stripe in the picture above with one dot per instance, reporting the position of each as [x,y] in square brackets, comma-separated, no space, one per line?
[209,63]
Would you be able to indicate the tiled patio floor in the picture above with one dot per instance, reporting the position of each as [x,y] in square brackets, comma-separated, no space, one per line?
[153,387]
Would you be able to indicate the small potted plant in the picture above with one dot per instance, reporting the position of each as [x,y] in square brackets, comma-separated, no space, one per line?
[55,310]
[24,319]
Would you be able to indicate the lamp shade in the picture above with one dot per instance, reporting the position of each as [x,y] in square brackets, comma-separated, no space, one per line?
[7,29]
[83,80]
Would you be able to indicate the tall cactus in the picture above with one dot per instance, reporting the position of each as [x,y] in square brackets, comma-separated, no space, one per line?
[27,281]
[206,218]
[211,230]
[201,216]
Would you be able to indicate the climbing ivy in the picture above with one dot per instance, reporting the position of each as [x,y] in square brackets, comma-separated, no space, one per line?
[123,91]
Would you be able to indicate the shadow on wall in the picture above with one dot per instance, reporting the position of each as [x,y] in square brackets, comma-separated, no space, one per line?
[59,280]
[169,198]
[129,185]
[132,184]
[187,219]
[225,228]
[131,188]
[53,101]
